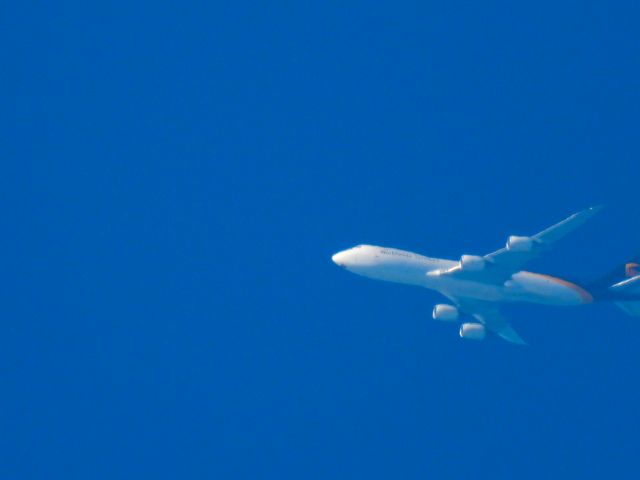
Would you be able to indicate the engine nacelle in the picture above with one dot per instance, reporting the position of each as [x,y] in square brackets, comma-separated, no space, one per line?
[472,263]
[520,244]
[445,313]
[473,331]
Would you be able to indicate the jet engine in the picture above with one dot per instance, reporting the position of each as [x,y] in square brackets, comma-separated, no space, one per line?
[520,244]
[445,313]
[472,263]
[473,331]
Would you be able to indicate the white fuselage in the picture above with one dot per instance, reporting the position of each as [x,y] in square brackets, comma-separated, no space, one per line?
[410,268]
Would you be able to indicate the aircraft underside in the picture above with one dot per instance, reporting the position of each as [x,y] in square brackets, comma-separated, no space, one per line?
[476,286]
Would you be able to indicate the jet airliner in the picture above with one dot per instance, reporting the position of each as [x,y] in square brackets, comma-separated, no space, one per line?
[476,286]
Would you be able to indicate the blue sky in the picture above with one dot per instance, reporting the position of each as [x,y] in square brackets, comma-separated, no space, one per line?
[175,177]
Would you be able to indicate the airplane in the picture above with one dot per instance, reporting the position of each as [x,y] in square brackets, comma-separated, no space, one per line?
[478,285]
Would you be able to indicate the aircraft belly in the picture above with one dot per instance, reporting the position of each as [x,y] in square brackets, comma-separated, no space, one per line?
[523,287]
[544,289]
[468,289]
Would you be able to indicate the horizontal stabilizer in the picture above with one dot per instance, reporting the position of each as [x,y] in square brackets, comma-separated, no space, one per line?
[629,286]
[631,308]
[628,289]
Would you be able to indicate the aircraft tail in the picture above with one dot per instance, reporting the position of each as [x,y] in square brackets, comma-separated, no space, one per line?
[622,286]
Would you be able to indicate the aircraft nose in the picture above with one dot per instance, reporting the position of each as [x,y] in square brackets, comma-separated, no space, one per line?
[340,259]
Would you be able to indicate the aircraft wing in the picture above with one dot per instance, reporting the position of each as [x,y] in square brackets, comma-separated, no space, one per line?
[489,315]
[497,267]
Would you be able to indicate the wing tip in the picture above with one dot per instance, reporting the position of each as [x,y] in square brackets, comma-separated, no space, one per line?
[510,335]
[586,214]
[596,208]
